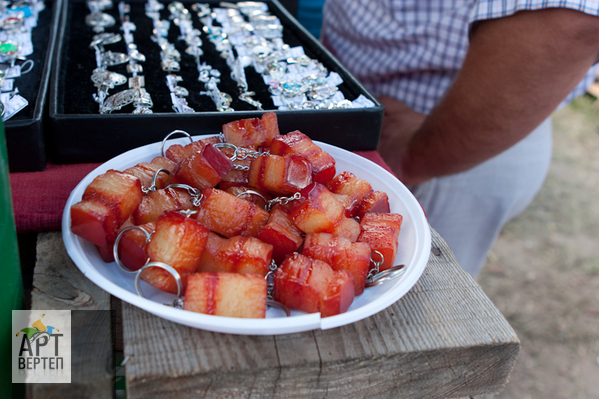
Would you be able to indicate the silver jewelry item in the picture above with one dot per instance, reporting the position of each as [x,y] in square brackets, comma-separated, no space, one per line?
[180,91]
[143,103]
[99,21]
[169,51]
[137,82]
[180,105]
[270,31]
[137,56]
[99,5]
[117,101]
[103,78]
[291,89]
[225,103]
[322,92]
[110,58]
[194,51]
[134,68]
[276,70]
[161,27]
[303,60]
[246,97]
[105,38]
[201,9]
[170,65]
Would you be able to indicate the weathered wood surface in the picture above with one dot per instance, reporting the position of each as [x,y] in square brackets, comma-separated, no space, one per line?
[444,339]
[58,284]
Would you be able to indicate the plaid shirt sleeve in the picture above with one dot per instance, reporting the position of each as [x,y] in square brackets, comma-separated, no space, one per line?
[413,49]
[489,9]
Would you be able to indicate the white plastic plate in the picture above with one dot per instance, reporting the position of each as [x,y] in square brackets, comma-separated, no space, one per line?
[413,252]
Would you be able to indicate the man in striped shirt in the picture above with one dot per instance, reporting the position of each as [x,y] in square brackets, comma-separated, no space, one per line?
[469,88]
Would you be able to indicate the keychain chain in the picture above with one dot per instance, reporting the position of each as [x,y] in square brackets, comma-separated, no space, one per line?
[240,153]
[270,290]
[282,200]
[377,264]
[376,277]
[196,195]
[272,202]
[270,280]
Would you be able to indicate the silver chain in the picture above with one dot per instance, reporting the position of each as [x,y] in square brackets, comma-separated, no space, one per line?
[196,195]
[270,280]
[241,154]
[377,264]
[282,200]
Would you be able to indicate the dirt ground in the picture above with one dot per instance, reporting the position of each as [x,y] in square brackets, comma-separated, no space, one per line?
[543,272]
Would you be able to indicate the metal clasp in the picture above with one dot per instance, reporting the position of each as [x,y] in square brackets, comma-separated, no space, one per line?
[375,277]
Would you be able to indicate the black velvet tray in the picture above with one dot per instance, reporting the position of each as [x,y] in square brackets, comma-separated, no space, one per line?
[25,130]
[80,134]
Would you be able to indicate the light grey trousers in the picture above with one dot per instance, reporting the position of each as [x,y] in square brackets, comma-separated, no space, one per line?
[469,209]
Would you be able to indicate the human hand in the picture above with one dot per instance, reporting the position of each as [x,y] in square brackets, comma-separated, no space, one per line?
[400,123]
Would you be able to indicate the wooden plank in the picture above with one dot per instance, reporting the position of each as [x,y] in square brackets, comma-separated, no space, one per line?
[442,339]
[58,284]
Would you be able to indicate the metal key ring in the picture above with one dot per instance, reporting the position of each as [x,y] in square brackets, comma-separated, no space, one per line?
[153,186]
[115,248]
[230,147]
[377,264]
[278,305]
[171,270]
[252,192]
[270,286]
[196,195]
[226,145]
[172,133]
[385,275]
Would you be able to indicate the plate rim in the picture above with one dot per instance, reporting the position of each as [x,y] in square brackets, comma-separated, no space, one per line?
[268,326]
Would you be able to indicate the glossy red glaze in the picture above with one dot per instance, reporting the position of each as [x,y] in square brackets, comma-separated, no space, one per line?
[296,142]
[281,233]
[226,294]
[341,254]
[237,254]
[381,232]
[313,286]
[230,216]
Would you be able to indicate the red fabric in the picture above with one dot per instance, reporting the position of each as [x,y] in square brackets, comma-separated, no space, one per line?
[39,198]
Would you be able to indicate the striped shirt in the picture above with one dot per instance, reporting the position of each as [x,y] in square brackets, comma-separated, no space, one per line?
[413,49]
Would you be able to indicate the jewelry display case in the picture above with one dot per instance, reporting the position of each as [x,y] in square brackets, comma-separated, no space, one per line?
[26,128]
[93,121]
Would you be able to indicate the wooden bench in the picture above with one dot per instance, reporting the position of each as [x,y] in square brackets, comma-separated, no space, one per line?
[443,339]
